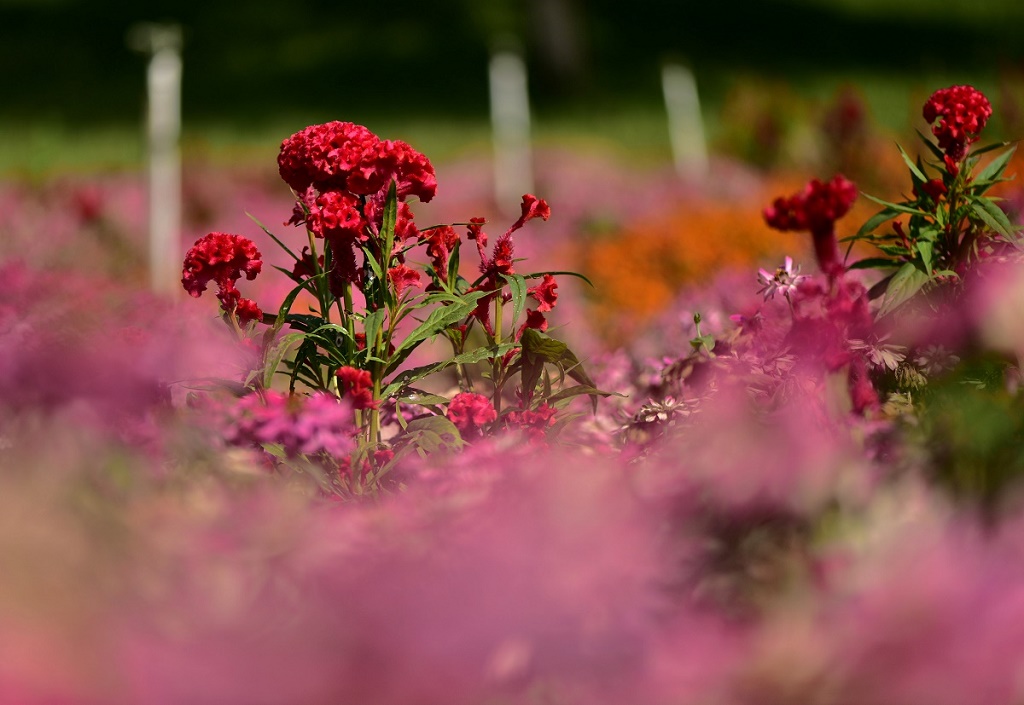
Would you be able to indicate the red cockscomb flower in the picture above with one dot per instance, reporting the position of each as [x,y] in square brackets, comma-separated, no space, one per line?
[962,112]
[470,413]
[357,386]
[816,208]
[223,259]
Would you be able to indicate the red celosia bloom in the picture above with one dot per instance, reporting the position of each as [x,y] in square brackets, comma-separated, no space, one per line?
[816,208]
[470,413]
[534,423]
[324,155]
[535,320]
[223,258]
[532,207]
[247,310]
[357,386]
[402,277]
[394,160]
[337,214]
[440,243]
[220,258]
[545,293]
[962,112]
[935,189]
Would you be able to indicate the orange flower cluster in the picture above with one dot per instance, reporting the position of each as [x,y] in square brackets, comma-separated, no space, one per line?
[638,269]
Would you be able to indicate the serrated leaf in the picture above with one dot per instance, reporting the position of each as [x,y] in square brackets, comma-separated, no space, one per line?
[903,285]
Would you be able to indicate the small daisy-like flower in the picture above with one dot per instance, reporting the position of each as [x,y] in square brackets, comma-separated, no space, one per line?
[935,359]
[784,281]
[880,354]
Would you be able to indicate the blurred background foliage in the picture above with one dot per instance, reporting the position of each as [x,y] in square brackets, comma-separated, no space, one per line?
[270,67]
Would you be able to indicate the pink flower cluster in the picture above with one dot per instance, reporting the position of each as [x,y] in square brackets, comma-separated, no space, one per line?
[319,423]
[962,112]
[222,259]
[816,208]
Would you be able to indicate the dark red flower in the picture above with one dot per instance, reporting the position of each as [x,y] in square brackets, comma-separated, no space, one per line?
[962,112]
[440,243]
[535,320]
[324,155]
[934,189]
[470,413]
[357,386]
[534,423]
[402,277]
[394,160]
[545,293]
[247,310]
[222,259]
[816,208]
[336,214]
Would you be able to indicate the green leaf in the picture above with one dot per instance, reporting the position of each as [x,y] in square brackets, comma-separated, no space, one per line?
[874,263]
[432,434]
[453,263]
[994,170]
[925,248]
[913,167]
[371,324]
[936,152]
[388,222]
[538,349]
[424,399]
[286,305]
[272,236]
[897,206]
[575,391]
[873,222]
[993,216]
[904,284]
[988,148]
[276,354]
[409,376]
[538,275]
[517,285]
[437,321]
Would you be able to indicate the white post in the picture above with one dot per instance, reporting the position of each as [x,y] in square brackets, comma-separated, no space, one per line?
[510,122]
[163,86]
[685,125]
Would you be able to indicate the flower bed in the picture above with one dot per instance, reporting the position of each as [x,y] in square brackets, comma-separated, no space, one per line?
[800,486]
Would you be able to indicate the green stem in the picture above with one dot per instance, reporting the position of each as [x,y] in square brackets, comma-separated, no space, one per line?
[496,362]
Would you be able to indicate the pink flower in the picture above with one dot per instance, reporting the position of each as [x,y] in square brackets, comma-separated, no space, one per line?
[470,413]
[962,112]
[301,425]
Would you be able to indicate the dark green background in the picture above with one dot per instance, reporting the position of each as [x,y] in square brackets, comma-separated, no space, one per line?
[257,60]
